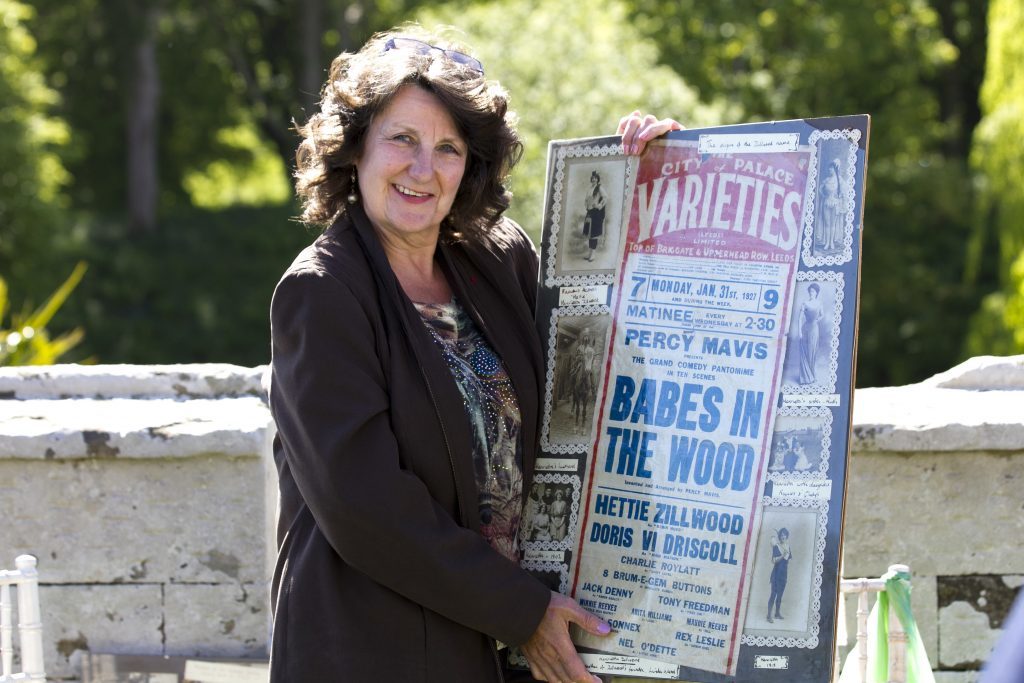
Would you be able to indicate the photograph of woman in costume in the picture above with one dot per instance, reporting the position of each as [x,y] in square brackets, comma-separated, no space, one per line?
[593,222]
[781,555]
[809,333]
[829,221]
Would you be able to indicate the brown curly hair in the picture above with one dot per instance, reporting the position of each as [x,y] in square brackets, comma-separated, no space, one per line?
[363,84]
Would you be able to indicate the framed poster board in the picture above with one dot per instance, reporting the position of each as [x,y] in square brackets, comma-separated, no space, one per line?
[698,306]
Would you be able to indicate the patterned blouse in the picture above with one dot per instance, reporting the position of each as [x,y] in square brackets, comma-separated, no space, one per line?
[493,411]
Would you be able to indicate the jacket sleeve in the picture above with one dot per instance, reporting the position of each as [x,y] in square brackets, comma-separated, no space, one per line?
[330,401]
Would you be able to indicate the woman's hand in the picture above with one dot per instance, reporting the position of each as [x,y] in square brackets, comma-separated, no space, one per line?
[550,651]
[638,129]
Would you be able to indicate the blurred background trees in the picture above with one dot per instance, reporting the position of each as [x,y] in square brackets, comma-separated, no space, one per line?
[154,140]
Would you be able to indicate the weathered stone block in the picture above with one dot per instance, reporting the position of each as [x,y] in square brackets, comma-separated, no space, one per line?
[47,429]
[956,676]
[942,513]
[217,621]
[924,603]
[971,614]
[113,520]
[114,619]
[973,407]
[967,637]
[188,380]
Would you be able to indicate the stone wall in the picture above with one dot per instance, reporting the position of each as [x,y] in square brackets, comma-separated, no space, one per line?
[148,495]
[937,482]
[143,491]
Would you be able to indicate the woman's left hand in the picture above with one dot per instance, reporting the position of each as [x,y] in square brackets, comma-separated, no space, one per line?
[637,129]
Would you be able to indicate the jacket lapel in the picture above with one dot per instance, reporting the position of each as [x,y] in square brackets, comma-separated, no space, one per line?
[403,318]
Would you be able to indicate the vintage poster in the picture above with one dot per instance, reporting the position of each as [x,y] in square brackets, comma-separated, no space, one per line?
[699,310]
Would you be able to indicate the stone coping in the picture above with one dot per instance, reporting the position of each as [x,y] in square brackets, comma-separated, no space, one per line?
[983,373]
[81,411]
[185,381]
[976,406]
[131,428]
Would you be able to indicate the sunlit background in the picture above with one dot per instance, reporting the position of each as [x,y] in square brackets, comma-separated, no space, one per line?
[153,141]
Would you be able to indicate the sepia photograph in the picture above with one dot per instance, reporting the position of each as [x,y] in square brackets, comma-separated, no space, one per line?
[800,443]
[809,365]
[580,342]
[780,587]
[548,513]
[828,236]
[590,220]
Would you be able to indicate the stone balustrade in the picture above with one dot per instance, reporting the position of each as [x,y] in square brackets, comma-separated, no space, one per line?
[148,495]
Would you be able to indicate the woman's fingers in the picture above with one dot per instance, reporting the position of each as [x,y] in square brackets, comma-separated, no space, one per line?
[550,651]
[625,121]
[637,129]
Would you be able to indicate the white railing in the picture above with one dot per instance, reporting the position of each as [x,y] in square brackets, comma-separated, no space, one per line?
[897,665]
[30,628]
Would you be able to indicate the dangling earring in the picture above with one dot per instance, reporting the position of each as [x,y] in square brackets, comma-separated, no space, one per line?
[352,196]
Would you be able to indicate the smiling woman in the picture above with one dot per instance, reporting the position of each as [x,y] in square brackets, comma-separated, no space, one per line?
[405,385]
[410,170]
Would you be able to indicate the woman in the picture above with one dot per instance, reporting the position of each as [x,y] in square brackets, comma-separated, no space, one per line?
[542,524]
[781,555]
[809,333]
[402,447]
[593,222]
[829,233]
[559,511]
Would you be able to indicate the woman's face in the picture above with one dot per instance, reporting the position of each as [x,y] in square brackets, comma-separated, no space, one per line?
[411,166]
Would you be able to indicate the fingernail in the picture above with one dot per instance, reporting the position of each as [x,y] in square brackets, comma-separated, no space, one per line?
[604,628]
[633,148]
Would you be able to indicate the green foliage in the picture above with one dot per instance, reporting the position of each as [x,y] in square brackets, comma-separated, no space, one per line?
[998,155]
[31,175]
[231,70]
[565,78]
[914,66]
[198,290]
[259,178]
[27,342]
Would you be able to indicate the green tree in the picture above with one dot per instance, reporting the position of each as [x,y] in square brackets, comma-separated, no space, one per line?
[32,178]
[998,154]
[565,78]
[915,67]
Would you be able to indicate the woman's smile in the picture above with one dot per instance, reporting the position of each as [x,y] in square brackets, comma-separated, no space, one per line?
[411,167]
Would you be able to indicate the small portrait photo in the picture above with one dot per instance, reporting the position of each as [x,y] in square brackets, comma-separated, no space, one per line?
[590,215]
[579,342]
[828,238]
[782,602]
[800,443]
[812,342]
[550,513]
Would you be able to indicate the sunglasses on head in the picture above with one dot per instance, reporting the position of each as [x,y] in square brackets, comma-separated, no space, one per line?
[425,48]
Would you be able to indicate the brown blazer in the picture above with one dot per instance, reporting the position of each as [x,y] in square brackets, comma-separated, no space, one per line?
[382,574]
